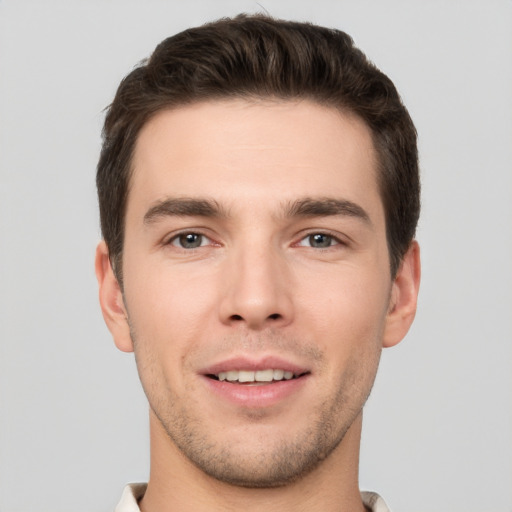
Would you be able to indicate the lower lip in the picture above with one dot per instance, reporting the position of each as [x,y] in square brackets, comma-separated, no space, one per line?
[256,396]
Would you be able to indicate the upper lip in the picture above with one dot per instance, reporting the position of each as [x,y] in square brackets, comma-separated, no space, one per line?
[254,364]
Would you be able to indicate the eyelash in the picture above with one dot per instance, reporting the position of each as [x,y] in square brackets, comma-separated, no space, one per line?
[333,239]
[205,240]
[174,240]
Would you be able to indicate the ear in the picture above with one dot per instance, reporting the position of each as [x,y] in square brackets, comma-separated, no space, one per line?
[404,297]
[111,300]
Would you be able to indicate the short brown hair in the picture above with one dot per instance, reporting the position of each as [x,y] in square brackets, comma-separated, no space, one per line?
[258,56]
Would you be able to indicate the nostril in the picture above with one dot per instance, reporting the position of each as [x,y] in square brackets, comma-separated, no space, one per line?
[238,318]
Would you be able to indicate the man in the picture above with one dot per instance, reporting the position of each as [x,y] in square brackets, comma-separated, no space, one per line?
[259,194]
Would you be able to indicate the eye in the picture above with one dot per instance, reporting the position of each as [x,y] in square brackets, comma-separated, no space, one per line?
[319,241]
[189,240]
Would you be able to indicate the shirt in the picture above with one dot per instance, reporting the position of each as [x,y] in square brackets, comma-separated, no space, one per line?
[133,493]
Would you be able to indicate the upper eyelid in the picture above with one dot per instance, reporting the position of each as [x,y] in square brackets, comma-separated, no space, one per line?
[185,231]
[338,237]
[335,242]
[169,240]
[176,237]
[341,238]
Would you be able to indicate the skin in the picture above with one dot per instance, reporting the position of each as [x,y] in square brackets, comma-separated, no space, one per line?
[278,274]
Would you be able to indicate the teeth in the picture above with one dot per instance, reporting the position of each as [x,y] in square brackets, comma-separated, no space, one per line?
[264,375]
[244,376]
[232,375]
[278,374]
[257,376]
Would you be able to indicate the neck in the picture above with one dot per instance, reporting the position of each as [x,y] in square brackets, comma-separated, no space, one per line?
[177,485]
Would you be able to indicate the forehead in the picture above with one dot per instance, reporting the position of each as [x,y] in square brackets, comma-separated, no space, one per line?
[255,150]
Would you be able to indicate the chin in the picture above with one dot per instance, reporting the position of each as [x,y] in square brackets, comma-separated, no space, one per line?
[264,464]
[263,471]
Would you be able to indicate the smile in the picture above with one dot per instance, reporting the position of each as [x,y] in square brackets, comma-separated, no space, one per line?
[255,383]
[258,376]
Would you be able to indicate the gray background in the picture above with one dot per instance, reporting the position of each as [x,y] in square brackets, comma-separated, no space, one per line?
[73,420]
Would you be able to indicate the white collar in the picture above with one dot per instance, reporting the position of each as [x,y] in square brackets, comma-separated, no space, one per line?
[132,493]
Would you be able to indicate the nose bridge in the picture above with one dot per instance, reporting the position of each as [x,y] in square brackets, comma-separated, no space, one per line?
[257,289]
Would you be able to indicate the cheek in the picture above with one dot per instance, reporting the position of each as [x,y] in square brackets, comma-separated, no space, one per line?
[349,319]
[346,308]
[350,332]
[162,334]
[167,306]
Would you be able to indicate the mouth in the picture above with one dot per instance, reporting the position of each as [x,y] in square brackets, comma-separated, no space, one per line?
[256,383]
[256,377]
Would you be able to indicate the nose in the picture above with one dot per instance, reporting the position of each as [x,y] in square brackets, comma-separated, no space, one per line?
[257,290]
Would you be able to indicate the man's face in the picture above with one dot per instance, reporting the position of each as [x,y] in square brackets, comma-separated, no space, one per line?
[255,251]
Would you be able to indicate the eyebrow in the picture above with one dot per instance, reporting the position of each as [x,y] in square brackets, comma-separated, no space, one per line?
[307,207]
[324,207]
[184,207]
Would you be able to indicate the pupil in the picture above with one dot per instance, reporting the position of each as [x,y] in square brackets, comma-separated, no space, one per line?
[190,240]
[320,240]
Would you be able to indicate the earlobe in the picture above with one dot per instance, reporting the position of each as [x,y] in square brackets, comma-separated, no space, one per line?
[111,300]
[404,297]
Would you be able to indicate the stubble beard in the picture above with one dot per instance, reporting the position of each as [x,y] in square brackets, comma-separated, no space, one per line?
[282,460]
